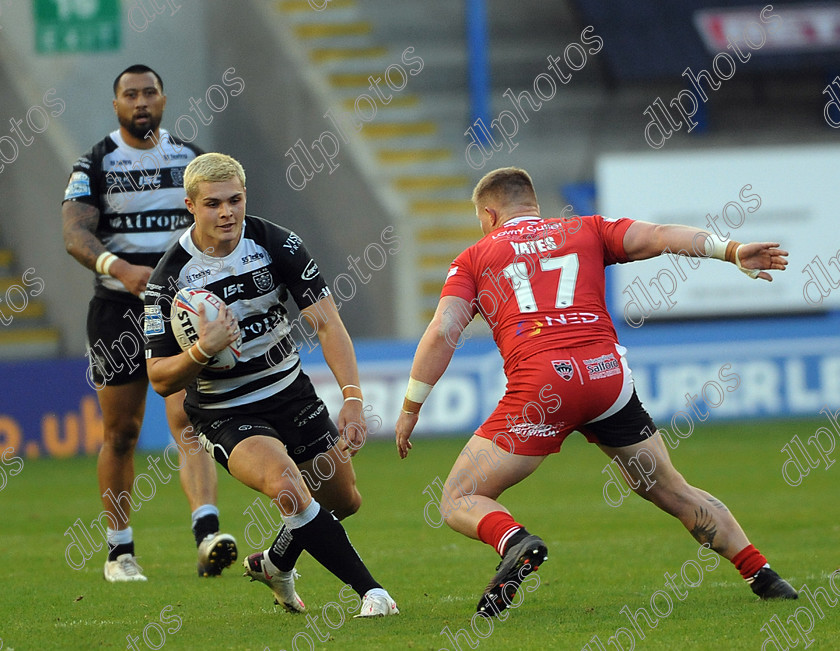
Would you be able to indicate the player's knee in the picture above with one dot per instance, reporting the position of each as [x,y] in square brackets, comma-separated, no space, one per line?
[286,495]
[121,436]
[179,423]
[453,498]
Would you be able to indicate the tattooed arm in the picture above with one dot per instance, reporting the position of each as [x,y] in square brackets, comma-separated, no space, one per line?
[79,227]
[80,220]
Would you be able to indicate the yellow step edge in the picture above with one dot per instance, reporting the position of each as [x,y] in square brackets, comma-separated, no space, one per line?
[355,79]
[324,54]
[441,234]
[433,182]
[442,206]
[397,129]
[33,310]
[8,281]
[6,257]
[9,337]
[329,30]
[291,6]
[397,101]
[395,156]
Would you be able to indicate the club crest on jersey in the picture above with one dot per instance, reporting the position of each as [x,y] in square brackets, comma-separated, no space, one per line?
[177,176]
[564,368]
[263,279]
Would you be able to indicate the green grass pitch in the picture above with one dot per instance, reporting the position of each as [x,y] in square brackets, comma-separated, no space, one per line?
[601,559]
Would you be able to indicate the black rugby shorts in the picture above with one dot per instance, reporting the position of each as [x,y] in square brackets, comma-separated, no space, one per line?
[296,416]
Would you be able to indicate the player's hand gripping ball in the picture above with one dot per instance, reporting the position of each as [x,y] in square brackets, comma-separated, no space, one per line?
[184,321]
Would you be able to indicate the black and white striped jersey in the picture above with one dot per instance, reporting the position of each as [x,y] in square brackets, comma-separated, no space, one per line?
[140,197]
[254,280]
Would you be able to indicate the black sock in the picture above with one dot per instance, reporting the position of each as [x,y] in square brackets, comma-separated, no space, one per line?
[285,550]
[516,538]
[204,525]
[119,550]
[326,540]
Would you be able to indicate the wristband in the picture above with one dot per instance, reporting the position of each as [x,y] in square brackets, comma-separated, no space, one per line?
[415,394]
[351,386]
[202,351]
[721,249]
[352,398]
[104,262]
[417,391]
[192,357]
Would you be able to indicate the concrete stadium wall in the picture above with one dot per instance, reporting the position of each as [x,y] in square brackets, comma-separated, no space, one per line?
[192,50]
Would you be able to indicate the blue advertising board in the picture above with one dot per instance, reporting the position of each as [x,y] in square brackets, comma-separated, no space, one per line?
[685,374]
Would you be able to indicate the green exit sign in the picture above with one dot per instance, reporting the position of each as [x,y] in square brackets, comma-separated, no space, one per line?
[76,25]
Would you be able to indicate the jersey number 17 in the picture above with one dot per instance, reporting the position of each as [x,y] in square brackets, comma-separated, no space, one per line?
[517,273]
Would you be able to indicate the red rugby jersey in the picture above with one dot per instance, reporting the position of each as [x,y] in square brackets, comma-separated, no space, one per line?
[539,283]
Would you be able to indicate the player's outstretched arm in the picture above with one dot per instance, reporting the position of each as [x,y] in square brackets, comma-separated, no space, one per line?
[341,358]
[79,229]
[433,354]
[645,240]
[171,374]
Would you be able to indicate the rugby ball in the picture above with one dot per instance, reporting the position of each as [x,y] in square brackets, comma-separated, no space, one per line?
[184,321]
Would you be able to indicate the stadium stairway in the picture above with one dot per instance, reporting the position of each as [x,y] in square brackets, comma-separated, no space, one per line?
[25,331]
[415,140]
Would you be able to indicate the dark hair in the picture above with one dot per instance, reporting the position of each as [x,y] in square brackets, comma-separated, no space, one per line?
[137,68]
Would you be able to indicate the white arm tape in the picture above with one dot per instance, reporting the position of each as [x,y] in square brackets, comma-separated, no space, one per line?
[715,247]
[417,391]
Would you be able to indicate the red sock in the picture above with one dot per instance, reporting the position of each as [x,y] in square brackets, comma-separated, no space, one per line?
[496,528]
[749,561]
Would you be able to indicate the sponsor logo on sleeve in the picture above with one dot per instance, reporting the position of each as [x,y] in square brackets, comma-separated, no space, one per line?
[77,186]
[153,321]
[292,243]
[310,271]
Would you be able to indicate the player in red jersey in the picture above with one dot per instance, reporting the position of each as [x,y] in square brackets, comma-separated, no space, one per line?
[539,285]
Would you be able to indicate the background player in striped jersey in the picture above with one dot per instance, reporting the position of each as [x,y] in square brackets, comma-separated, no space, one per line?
[539,284]
[262,418]
[122,208]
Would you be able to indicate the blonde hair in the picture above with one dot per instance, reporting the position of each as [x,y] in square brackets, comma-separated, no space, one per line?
[212,167]
[506,185]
